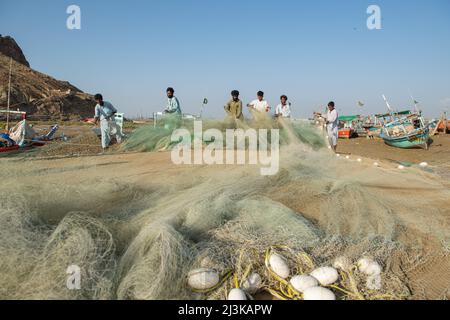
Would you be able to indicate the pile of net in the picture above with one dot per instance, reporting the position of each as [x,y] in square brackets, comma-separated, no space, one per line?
[158,137]
[127,240]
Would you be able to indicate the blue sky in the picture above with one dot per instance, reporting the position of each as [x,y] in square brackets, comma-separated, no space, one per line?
[313,51]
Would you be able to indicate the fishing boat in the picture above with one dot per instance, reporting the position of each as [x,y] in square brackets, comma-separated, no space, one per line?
[407,132]
[373,125]
[9,149]
[347,126]
[22,136]
[438,126]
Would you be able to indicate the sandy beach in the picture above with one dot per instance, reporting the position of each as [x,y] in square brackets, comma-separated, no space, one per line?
[402,217]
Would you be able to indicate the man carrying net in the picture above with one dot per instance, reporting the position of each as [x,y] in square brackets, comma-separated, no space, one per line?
[105,114]
[233,108]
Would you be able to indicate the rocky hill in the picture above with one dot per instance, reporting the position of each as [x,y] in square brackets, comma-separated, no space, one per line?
[41,96]
[10,48]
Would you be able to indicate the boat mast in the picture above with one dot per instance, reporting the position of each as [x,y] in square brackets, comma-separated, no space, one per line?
[9,95]
[387,103]
[416,108]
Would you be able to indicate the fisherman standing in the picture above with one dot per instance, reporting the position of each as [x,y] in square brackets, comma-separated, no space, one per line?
[259,104]
[173,105]
[283,110]
[332,125]
[105,114]
[233,108]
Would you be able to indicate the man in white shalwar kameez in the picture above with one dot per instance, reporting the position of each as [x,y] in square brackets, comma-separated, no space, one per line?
[105,115]
[332,126]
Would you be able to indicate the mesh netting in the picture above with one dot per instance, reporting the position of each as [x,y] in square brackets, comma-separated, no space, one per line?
[158,137]
[136,228]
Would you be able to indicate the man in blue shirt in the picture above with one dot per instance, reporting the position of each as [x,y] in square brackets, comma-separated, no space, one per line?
[173,105]
[105,114]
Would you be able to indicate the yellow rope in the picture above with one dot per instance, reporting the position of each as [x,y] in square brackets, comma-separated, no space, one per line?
[291,293]
[236,281]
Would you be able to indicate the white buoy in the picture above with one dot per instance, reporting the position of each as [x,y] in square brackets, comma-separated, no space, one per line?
[301,283]
[237,295]
[203,279]
[342,263]
[279,266]
[376,164]
[401,167]
[347,157]
[326,275]
[369,267]
[423,164]
[374,282]
[252,284]
[318,294]
[338,155]
[329,147]
[359,160]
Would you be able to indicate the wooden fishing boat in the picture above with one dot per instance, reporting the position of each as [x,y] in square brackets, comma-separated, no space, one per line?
[23,136]
[406,133]
[347,126]
[439,126]
[346,133]
[9,149]
[374,124]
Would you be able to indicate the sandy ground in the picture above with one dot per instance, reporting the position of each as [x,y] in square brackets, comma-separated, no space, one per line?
[438,154]
[79,161]
[82,141]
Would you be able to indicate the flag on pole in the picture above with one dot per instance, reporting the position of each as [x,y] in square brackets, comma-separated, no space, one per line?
[205,102]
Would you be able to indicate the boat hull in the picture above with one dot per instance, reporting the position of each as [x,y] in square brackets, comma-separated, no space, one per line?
[9,149]
[374,131]
[419,139]
[346,133]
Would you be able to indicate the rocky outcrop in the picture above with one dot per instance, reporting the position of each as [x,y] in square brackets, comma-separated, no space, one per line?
[41,96]
[10,48]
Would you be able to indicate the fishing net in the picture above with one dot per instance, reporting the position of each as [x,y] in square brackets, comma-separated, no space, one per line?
[158,137]
[136,225]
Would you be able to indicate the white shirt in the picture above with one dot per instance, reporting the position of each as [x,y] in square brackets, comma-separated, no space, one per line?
[260,106]
[104,112]
[284,111]
[332,118]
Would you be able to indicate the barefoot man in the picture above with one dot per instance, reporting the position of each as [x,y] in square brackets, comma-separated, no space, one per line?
[332,126]
[105,114]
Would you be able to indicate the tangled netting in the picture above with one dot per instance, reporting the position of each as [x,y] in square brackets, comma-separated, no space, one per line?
[135,231]
[158,136]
